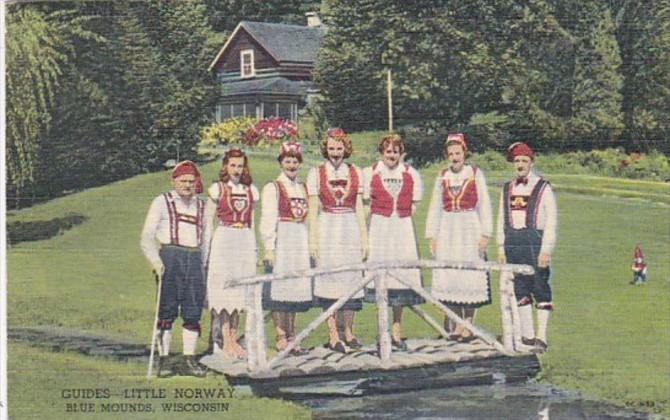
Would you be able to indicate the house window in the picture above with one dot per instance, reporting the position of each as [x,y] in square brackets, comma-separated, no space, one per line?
[247,63]
[238,110]
[270,109]
[284,110]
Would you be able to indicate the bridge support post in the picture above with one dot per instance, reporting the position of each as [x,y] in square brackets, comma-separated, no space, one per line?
[509,312]
[255,330]
[383,333]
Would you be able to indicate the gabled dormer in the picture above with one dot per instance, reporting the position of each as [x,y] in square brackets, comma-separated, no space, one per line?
[258,49]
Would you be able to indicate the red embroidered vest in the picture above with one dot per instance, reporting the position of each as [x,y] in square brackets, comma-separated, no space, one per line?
[177,218]
[460,199]
[338,195]
[235,209]
[381,201]
[291,209]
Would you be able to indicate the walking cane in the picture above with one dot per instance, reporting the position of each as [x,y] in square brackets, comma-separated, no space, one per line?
[154,333]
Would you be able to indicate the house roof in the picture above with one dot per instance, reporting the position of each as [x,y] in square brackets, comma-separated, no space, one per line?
[293,43]
[270,85]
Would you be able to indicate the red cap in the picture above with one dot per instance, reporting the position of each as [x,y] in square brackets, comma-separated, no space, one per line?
[457,138]
[186,167]
[519,149]
[638,252]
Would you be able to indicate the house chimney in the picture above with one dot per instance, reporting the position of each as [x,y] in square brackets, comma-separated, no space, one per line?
[313,20]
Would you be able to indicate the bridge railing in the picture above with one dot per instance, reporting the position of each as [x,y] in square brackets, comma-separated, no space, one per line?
[377,272]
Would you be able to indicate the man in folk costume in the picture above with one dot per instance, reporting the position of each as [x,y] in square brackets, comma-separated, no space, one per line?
[527,224]
[284,232]
[459,225]
[338,232]
[393,188]
[173,240]
[229,217]
[639,267]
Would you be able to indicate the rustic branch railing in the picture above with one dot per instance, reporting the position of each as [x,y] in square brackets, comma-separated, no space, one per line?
[255,328]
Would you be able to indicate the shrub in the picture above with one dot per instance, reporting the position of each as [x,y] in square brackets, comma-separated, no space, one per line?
[229,131]
[42,229]
[608,162]
[489,161]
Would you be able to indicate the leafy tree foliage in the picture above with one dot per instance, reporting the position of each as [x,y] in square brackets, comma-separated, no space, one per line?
[563,75]
[117,88]
[38,52]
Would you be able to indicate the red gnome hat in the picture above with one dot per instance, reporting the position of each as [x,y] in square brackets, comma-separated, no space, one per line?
[186,167]
[519,149]
[638,252]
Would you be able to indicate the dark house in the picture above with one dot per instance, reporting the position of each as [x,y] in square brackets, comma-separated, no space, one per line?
[265,69]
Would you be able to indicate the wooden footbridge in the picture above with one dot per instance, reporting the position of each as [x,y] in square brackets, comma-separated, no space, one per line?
[427,363]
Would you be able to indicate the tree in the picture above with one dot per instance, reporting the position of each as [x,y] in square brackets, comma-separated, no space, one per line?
[348,69]
[224,15]
[596,98]
[38,49]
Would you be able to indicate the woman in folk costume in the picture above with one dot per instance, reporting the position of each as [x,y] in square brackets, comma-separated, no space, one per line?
[230,213]
[459,226]
[339,236]
[393,188]
[285,236]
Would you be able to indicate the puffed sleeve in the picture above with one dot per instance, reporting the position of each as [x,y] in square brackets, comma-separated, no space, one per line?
[148,241]
[500,229]
[484,205]
[417,193]
[213,194]
[268,224]
[434,209]
[313,181]
[367,178]
[361,182]
[255,196]
[548,203]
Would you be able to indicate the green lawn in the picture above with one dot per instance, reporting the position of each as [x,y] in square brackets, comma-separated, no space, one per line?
[609,340]
[41,384]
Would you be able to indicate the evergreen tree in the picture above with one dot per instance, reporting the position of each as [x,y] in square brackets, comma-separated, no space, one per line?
[349,70]
[224,15]
[596,98]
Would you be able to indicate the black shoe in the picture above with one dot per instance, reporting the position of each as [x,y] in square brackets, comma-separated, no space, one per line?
[528,341]
[337,347]
[192,368]
[353,343]
[540,346]
[399,345]
[454,337]
[467,339]
[165,369]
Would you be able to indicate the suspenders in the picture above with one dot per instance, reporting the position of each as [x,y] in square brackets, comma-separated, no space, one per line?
[176,218]
[533,204]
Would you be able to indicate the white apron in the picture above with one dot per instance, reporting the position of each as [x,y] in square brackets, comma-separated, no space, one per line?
[339,244]
[232,256]
[291,255]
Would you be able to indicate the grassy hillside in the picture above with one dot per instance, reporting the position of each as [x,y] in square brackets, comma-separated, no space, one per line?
[608,339]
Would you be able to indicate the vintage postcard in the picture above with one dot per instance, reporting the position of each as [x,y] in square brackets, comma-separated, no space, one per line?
[335,209]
